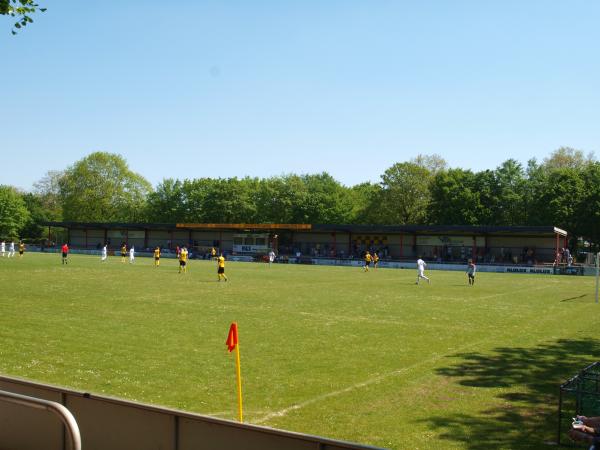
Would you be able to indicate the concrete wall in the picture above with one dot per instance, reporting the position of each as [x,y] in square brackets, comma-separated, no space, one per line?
[113,424]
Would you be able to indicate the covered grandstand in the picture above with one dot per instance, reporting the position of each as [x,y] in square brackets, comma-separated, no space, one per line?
[489,244]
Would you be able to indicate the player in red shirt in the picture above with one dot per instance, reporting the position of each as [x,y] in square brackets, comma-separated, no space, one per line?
[65,253]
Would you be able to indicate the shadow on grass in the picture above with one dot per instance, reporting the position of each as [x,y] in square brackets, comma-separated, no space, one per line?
[574,298]
[528,379]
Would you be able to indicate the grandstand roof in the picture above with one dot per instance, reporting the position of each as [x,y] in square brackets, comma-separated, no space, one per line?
[542,230]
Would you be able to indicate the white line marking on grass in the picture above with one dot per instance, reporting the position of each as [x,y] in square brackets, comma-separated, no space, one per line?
[380,378]
[368,382]
[362,319]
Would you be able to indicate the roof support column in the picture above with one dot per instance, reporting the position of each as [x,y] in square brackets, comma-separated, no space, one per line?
[401,245]
[414,245]
[350,247]
[334,243]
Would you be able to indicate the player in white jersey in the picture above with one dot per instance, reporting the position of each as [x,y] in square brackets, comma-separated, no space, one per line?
[471,269]
[3,248]
[271,257]
[11,249]
[104,253]
[421,271]
[131,255]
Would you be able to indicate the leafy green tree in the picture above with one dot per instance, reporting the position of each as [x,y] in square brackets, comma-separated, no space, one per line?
[509,187]
[47,190]
[194,193]
[166,203]
[275,198]
[558,199]
[485,186]
[567,158]
[365,203]
[534,180]
[37,215]
[589,206]
[228,201]
[13,212]
[454,198]
[326,200]
[21,9]
[433,163]
[101,188]
[405,194]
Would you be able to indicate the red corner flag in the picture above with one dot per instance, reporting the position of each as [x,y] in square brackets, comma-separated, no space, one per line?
[232,337]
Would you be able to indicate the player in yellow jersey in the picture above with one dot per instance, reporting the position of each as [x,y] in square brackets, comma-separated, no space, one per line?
[157,257]
[183,256]
[367,261]
[124,253]
[213,254]
[221,268]
[375,260]
[21,249]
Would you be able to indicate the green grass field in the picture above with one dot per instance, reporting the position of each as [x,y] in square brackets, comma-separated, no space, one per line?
[332,351]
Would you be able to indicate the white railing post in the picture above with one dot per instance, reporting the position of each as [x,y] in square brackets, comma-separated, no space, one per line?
[63,413]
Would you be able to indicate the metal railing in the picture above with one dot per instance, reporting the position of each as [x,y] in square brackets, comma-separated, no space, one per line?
[56,408]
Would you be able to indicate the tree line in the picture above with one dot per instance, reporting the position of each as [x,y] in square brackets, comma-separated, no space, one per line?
[562,190]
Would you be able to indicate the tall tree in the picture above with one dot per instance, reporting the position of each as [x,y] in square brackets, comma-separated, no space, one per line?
[558,199]
[275,200]
[433,163]
[567,158]
[365,203]
[534,179]
[454,198]
[485,186]
[509,188]
[589,206]
[405,194]
[13,212]
[326,201]
[228,201]
[101,188]
[166,203]
[47,190]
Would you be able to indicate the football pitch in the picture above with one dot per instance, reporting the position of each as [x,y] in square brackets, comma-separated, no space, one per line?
[365,357]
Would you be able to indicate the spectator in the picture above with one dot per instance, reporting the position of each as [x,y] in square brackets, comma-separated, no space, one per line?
[558,258]
[566,254]
[587,431]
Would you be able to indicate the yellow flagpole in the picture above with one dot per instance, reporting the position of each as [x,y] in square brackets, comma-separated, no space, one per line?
[239,381]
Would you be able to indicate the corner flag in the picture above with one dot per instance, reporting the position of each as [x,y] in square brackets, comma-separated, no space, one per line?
[232,343]
[232,337]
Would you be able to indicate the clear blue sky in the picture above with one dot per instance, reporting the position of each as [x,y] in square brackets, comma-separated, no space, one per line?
[233,88]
